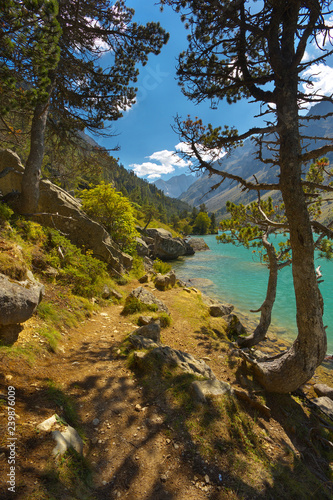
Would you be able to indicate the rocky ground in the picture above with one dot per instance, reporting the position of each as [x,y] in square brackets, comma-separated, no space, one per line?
[144,439]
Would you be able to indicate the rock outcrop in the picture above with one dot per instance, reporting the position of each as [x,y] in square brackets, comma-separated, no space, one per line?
[18,299]
[58,209]
[164,281]
[18,302]
[147,298]
[160,244]
[198,244]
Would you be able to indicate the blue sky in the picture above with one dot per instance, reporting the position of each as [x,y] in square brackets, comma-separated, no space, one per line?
[147,142]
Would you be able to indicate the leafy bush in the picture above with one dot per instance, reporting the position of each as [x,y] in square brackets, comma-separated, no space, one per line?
[165,320]
[114,211]
[82,272]
[5,213]
[161,267]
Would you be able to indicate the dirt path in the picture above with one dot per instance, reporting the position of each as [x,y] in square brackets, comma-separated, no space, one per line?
[131,449]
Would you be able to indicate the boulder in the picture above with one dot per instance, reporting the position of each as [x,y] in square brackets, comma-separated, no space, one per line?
[148,298]
[164,281]
[234,327]
[142,247]
[151,331]
[217,310]
[198,244]
[183,360]
[140,342]
[325,404]
[210,387]
[18,299]
[163,245]
[11,172]
[61,210]
[145,320]
[323,390]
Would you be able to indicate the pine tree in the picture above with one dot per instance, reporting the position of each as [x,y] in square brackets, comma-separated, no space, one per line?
[257,51]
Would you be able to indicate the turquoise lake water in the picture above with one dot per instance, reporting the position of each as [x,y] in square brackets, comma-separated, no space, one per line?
[234,274]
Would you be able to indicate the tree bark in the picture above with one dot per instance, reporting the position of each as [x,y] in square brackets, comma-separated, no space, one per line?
[289,371]
[266,308]
[30,183]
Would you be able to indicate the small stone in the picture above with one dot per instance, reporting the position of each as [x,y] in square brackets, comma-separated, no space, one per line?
[163,478]
[138,407]
[168,441]
[176,446]
[95,421]
[207,479]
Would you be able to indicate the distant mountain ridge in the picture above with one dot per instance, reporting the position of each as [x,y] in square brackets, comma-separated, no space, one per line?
[175,186]
[243,162]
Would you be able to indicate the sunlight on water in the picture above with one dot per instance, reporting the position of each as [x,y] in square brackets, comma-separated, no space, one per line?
[237,277]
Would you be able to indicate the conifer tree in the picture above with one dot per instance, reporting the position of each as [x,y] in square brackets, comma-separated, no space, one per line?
[256,50]
[81,92]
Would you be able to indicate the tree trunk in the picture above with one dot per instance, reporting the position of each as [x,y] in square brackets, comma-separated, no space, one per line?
[266,308]
[30,183]
[289,371]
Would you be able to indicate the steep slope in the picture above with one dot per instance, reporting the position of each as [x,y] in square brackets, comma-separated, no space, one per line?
[243,162]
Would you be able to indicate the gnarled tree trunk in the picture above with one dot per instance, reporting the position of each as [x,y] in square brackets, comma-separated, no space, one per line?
[289,371]
[266,308]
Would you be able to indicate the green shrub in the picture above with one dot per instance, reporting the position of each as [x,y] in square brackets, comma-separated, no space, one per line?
[161,267]
[165,320]
[82,272]
[5,213]
[114,211]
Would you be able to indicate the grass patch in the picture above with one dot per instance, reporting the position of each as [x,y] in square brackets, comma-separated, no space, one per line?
[58,397]
[51,335]
[134,305]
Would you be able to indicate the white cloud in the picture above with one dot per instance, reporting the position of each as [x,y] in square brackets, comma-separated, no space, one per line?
[206,154]
[321,78]
[168,161]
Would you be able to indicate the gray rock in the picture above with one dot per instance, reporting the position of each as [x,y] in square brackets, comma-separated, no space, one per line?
[116,295]
[234,327]
[144,279]
[11,172]
[323,390]
[166,247]
[140,342]
[148,298]
[69,438]
[198,244]
[151,331]
[217,310]
[145,320]
[164,281]
[185,361]
[325,404]
[47,424]
[142,247]
[211,387]
[18,299]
